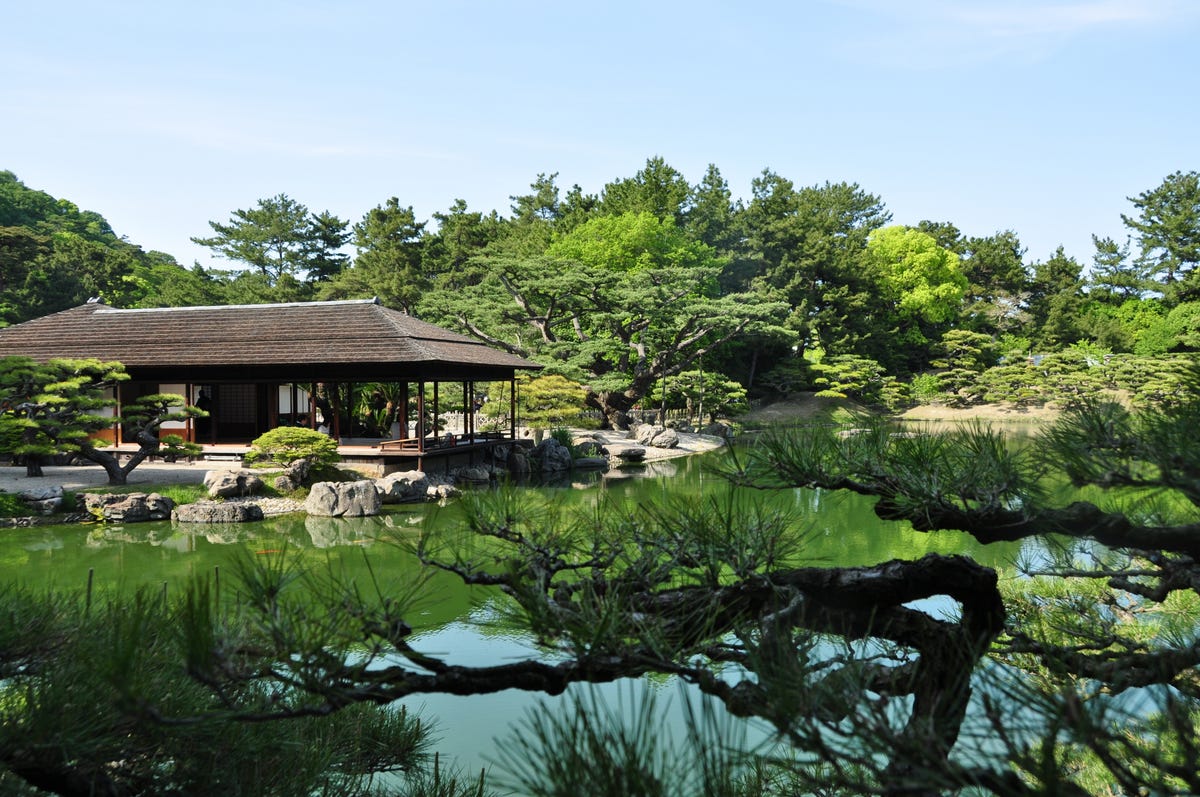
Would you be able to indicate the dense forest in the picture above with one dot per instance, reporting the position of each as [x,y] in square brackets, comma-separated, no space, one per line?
[657,278]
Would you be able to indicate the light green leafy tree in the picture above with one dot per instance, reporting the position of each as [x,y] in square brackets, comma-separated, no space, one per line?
[921,280]
[617,304]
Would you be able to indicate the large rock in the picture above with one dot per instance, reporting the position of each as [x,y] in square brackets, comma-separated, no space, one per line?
[665,438]
[343,499]
[45,493]
[552,456]
[217,512]
[589,448]
[517,462]
[472,474]
[128,508]
[232,483]
[293,476]
[443,492]
[591,463]
[403,487]
[656,436]
[718,430]
[627,453]
[43,500]
[644,432]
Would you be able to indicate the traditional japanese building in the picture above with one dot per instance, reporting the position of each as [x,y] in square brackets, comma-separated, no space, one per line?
[257,367]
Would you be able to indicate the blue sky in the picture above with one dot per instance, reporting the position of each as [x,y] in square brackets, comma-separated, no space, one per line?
[1037,117]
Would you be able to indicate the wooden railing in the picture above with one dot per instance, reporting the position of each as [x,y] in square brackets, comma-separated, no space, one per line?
[414,445]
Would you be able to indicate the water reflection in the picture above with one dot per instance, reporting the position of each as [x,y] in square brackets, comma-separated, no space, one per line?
[467,625]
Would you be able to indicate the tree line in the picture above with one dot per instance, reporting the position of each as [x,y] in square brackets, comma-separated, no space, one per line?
[794,288]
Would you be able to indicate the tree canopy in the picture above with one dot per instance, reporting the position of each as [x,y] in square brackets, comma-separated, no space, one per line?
[815,271]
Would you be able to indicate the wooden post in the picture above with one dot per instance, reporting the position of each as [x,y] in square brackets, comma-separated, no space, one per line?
[469,411]
[118,427]
[421,417]
[512,415]
[189,424]
[403,414]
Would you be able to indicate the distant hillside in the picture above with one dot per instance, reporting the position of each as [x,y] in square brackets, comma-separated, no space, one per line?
[54,256]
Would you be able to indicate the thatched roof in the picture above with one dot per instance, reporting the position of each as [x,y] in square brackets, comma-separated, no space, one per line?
[300,341]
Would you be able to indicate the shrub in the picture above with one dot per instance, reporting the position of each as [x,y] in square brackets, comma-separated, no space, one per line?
[926,388]
[289,443]
[563,436]
[11,505]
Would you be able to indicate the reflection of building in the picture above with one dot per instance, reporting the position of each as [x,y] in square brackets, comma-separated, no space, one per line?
[256,367]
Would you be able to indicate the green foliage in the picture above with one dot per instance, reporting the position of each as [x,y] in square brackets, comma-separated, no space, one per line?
[563,436]
[788,376]
[962,355]
[595,748]
[1168,231]
[286,444]
[173,446]
[389,263]
[279,238]
[56,407]
[848,376]
[926,388]
[707,392]
[1156,381]
[922,279]
[50,408]
[113,665]
[547,401]
[11,505]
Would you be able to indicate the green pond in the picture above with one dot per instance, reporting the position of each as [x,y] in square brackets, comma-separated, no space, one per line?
[460,623]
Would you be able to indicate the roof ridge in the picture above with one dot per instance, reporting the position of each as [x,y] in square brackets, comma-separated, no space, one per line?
[106,308]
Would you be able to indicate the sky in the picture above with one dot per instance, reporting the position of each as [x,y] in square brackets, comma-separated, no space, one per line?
[1038,117]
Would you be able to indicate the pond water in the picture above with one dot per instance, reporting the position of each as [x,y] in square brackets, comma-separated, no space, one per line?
[455,621]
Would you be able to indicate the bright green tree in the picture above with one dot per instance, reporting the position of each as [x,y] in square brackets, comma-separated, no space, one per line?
[619,303]
[545,402]
[920,288]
